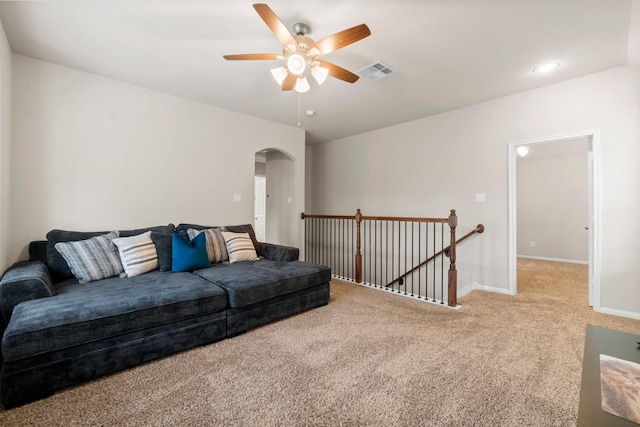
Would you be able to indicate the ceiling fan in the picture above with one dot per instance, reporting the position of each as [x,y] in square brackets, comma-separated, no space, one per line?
[301,53]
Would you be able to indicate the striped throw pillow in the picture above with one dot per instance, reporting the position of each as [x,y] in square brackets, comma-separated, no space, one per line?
[92,259]
[216,247]
[138,254]
[240,247]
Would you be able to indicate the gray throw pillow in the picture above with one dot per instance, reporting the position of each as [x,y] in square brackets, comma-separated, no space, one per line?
[92,259]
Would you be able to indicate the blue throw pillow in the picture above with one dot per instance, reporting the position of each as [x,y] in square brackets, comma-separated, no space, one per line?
[189,256]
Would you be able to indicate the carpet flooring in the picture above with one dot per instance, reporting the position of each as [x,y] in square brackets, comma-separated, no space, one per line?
[369,358]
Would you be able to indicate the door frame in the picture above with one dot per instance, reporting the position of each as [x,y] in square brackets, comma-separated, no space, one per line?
[260,234]
[595,211]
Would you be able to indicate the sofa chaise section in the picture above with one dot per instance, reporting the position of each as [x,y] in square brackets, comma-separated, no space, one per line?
[102,327]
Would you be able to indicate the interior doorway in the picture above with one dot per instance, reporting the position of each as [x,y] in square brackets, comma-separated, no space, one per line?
[274,213]
[592,218]
[260,208]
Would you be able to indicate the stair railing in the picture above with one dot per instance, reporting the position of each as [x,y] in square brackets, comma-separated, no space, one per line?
[371,249]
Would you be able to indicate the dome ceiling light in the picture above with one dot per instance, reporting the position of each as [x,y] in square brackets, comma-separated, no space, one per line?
[545,68]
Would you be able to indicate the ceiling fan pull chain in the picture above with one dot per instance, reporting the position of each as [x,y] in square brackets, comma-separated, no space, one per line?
[299,95]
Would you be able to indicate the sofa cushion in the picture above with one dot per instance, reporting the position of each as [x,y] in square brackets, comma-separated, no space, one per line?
[92,259]
[188,255]
[38,251]
[137,253]
[249,283]
[59,268]
[78,314]
[239,247]
[216,247]
[164,249]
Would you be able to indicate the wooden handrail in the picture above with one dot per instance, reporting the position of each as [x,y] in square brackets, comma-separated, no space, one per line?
[377,218]
[479,229]
[404,219]
[304,215]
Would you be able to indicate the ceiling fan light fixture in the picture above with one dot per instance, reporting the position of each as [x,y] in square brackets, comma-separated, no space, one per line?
[296,64]
[302,85]
[320,74]
[279,74]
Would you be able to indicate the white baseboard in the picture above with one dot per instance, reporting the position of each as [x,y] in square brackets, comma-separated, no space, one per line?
[620,313]
[464,290]
[541,258]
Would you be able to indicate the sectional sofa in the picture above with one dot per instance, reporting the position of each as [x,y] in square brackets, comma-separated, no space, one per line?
[62,326]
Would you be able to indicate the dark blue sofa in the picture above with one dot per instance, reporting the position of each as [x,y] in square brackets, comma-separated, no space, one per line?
[57,332]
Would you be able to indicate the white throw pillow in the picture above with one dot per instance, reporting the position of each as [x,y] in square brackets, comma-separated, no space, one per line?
[92,259]
[240,247]
[137,253]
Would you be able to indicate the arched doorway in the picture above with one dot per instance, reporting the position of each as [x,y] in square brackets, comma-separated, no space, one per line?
[274,189]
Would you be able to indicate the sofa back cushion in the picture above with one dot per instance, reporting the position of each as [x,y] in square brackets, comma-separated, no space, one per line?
[38,251]
[59,268]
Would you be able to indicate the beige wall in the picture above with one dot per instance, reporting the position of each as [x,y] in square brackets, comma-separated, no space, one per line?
[428,166]
[93,153]
[552,201]
[5,148]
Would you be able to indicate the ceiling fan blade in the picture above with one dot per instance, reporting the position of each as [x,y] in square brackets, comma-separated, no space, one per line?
[289,82]
[339,72]
[341,39]
[253,56]
[275,24]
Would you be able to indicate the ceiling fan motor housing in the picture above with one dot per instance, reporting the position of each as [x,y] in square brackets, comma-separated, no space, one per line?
[301,29]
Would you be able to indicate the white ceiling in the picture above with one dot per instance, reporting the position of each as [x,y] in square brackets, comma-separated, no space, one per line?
[447,53]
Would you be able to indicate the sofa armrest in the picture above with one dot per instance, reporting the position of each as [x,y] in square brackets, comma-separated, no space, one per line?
[278,252]
[23,281]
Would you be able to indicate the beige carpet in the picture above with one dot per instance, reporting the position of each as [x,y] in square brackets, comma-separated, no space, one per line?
[369,358]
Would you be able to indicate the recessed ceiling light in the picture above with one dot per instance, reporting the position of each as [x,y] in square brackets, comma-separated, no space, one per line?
[545,68]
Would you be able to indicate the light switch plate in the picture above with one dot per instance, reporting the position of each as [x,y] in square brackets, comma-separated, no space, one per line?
[237,198]
[480,198]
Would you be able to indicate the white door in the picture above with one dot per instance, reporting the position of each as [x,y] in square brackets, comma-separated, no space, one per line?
[260,207]
[590,225]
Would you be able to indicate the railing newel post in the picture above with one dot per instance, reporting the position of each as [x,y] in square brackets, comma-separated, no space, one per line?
[453,274]
[358,219]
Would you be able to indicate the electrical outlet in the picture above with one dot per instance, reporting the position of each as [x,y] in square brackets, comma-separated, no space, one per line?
[532,244]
